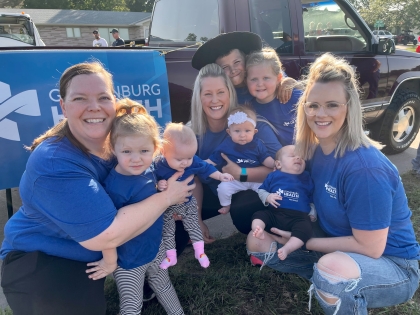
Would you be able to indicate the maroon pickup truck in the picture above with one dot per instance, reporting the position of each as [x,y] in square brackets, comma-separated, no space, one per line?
[299,30]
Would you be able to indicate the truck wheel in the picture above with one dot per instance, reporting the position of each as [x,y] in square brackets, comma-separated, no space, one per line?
[404,42]
[400,122]
[414,42]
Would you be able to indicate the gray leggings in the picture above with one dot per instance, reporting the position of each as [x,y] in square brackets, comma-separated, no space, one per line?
[130,287]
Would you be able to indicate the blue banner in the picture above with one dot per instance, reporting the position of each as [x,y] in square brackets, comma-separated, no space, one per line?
[29,95]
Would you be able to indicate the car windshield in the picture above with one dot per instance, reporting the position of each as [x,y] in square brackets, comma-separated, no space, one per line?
[16,28]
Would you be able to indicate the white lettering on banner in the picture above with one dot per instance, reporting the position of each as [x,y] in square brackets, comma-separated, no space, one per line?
[157,108]
[56,96]
[132,90]
[24,103]
[56,116]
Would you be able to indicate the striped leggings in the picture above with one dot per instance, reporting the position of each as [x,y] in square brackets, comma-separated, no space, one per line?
[189,214]
[130,287]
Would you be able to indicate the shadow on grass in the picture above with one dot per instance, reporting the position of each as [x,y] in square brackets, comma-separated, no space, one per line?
[232,286]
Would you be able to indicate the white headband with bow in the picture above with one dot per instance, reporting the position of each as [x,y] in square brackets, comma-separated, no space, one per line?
[240,118]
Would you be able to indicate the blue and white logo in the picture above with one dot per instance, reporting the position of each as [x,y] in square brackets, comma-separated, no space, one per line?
[25,103]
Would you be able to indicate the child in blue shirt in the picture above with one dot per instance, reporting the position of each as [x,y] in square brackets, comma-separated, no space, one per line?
[243,149]
[264,75]
[134,140]
[178,154]
[291,184]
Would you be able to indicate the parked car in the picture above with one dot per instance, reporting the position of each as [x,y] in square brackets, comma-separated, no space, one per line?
[389,80]
[383,34]
[406,37]
[18,29]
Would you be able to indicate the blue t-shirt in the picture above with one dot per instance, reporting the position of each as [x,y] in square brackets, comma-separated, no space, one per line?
[363,190]
[281,116]
[252,154]
[198,167]
[269,137]
[63,203]
[125,190]
[243,95]
[296,190]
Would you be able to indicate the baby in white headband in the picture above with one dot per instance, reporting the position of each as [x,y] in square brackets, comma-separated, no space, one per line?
[243,149]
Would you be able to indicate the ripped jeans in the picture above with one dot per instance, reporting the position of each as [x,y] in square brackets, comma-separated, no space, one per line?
[383,282]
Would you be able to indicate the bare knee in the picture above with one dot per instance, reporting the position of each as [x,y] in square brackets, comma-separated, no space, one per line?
[339,265]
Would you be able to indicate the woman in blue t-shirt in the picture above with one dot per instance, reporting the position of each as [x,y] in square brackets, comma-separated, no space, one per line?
[67,218]
[370,255]
[213,97]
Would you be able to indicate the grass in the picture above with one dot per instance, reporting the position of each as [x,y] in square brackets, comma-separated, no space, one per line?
[232,286]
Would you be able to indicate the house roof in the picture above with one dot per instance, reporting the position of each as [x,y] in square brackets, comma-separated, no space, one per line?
[82,17]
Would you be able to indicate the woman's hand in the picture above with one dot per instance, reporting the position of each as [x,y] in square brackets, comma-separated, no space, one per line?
[101,269]
[231,168]
[178,191]
[208,239]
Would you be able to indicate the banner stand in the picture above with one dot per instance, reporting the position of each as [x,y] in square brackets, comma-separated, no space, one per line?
[9,202]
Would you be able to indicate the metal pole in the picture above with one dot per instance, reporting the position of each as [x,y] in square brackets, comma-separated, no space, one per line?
[9,202]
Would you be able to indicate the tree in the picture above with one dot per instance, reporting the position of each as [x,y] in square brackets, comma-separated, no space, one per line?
[97,5]
[393,13]
[10,3]
[140,5]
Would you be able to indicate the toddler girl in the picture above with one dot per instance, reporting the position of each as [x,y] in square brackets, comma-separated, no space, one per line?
[178,154]
[243,149]
[263,78]
[134,140]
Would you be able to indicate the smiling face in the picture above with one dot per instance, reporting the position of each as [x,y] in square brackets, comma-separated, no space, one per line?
[326,127]
[134,154]
[262,82]
[89,107]
[242,133]
[288,162]
[179,156]
[234,66]
[215,98]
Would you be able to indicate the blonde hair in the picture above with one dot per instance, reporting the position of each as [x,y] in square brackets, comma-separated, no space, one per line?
[328,68]
[199,122]
[62,129]
[133,120]
[177,133]
[268,56]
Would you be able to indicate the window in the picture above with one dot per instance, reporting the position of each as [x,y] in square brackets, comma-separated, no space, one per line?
[73,32]
[184,21]
[270,19]
[328,28]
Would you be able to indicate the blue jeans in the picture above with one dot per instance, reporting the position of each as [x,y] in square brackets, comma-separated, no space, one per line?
[416,161]
[385,281]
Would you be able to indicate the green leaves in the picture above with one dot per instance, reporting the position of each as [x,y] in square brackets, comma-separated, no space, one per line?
[96,5]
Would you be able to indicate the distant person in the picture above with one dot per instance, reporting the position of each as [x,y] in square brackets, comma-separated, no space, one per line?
[312,30]
[319,30]
[99,41]
[118,40]
[329,29]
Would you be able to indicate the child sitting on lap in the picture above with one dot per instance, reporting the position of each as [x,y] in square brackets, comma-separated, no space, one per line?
[178,154]
[291,184]
[243,149]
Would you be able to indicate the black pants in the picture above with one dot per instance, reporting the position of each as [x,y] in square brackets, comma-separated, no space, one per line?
[244,205]
[294,221]
[39,284]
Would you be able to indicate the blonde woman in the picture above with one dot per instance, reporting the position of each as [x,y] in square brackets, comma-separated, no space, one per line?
[370,254]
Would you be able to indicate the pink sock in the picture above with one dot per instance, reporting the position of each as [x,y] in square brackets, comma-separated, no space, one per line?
[169,260]
[200,255]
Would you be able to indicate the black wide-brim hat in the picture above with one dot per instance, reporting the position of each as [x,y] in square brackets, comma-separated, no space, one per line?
[222,44]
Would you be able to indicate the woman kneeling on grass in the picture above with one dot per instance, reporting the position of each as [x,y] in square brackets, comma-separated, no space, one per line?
[67,218]
[370,257]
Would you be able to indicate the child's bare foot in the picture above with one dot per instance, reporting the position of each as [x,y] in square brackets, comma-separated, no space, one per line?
[224,210]
[283,252]
[258,233]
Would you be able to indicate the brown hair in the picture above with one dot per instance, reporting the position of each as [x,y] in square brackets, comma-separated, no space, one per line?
[268,56]
[62,129]
[133,119]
